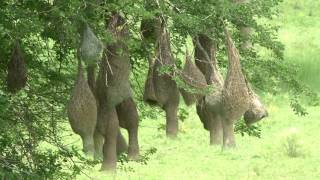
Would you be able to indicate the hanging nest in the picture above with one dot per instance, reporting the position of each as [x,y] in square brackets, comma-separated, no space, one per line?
[165,87]
[118,63]
[17,70]
[235,93]
[113,85]
[194,80]
[149,95]
[118,85]
[150,31]
[82,108]
[257,109]
[91,47]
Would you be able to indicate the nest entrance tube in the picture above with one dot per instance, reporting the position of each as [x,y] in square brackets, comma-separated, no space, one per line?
[149,95]
[17,69]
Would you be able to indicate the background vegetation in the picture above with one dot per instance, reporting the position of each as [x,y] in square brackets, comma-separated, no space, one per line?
[36,141]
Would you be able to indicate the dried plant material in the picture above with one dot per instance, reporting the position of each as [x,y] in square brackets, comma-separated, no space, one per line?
[165,87]
[129,119]
[17,70]
[235,93]
[118,85]
[195,80]
[149,94]
[209,107]
[82,111]
[91,47]
[113,89]
[113,85]
[257,109]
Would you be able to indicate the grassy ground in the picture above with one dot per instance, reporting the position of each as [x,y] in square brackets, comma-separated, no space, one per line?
[288,148]
[300,22]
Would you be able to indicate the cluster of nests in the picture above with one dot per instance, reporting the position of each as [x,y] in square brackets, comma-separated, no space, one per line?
[218,109]
[99,107]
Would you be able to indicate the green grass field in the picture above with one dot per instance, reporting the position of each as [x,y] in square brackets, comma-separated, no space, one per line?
[300,29]
[289,147]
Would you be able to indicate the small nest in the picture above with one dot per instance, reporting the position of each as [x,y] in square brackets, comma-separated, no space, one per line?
[17,70]
[257,109]
[195,81]
[82,108]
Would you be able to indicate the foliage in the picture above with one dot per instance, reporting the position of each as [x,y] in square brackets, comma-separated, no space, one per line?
[297,108]
[49,30]
[242,128]
[29,121]
[183,114]
[143,159]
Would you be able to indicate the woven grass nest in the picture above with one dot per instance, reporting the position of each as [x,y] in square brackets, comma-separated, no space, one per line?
[17,69]
[194,80]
